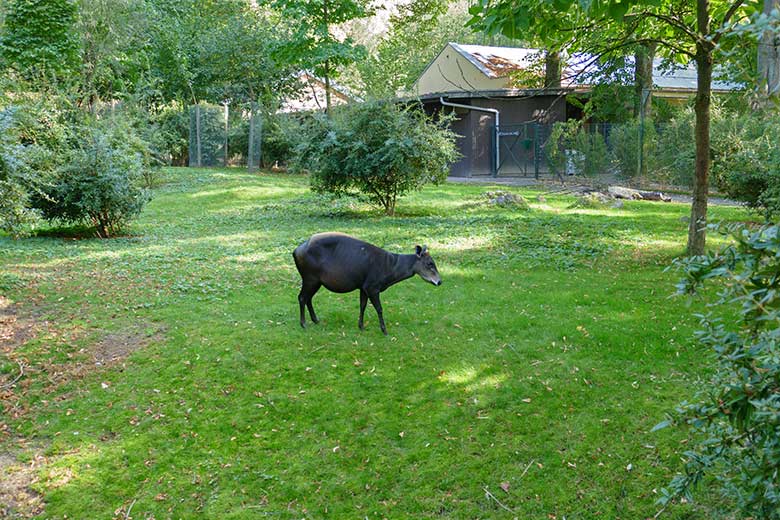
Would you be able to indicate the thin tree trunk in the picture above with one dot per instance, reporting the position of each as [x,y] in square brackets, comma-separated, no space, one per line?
[697,230]
[769,59]
[643,77]
[326,20]
[327,87]
[552,69]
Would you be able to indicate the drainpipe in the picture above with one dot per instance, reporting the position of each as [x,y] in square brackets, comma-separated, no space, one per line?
[493,111]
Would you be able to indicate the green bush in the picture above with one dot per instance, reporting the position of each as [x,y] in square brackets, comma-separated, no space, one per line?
[625,142]
[39,37]
[379,151]
[33,132]
[735,417]
[280,136]
[15,214]
[575,149]
[170,137]
[675,151]
[746,161]
[99,182]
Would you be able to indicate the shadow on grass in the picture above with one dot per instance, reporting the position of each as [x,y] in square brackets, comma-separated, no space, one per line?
[78,232]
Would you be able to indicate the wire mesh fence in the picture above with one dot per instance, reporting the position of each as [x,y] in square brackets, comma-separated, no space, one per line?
[221,136]
[254,154]
[208,144]
[659,152]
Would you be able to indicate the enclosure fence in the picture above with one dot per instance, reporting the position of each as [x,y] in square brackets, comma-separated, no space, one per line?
[218,136]
[626,150]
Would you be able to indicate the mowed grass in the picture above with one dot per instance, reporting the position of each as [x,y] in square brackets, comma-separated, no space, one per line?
[525,386]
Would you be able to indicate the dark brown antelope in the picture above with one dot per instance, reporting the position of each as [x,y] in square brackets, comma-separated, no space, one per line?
[343,264]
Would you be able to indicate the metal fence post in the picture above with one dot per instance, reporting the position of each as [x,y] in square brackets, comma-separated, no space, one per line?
[227,113]
[198,157]
[250,154]
[536,150]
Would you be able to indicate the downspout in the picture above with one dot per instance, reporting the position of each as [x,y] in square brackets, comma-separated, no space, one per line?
[496,113]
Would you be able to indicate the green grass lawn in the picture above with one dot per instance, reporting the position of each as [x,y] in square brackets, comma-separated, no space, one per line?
[528,382]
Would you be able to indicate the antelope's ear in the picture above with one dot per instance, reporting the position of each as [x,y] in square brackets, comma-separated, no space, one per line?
[424,250]
[419,251]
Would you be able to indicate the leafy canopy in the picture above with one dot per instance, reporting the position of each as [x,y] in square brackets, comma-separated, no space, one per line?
[39,37]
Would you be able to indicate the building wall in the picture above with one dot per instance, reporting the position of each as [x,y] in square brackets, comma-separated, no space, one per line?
[541,109]
[476,144]
[450,71]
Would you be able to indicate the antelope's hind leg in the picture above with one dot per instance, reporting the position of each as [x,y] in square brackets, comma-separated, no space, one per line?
[308,290]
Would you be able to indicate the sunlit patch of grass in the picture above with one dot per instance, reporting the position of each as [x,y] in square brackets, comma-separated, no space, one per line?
[543,361]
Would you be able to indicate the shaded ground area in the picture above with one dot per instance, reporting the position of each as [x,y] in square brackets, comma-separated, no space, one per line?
[20,462]
[17,499]
[554,185]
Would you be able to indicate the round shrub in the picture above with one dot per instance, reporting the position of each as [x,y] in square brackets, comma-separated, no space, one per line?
[378,151]
[99,184]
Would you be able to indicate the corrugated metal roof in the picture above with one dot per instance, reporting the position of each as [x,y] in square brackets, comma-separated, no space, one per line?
[500,62]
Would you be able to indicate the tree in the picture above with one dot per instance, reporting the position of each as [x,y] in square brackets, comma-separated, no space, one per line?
[769,52]
[113,48]
[643,78]
[686,31]
[314,45]
[39,37]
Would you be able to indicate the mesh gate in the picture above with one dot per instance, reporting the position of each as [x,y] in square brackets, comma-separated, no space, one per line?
[208,135]
[521,150]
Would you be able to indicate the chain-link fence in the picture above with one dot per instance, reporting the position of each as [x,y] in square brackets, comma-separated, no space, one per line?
[661,153]
[208,135]
[254,156]
[226,136]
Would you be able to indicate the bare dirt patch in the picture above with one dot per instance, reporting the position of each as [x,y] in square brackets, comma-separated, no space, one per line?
[17,499]
[117,346]
[14,330]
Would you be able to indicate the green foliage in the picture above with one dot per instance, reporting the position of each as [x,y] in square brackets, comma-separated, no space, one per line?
[572,148]
[171,125]
[34,128]
[98,183]
[14,197]
[675,152]
[734,418]
[745,155]
[39,37]
[281,134]
[746,160]
[313,46]
[378,150]
[625,141]
[114,44]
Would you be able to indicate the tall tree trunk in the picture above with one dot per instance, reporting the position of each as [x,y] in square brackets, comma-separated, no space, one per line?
[327,87]
[643,77]
[552,69]
[769,59]
[697,230]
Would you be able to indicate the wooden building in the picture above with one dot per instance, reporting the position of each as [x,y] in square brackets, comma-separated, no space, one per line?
[502,126]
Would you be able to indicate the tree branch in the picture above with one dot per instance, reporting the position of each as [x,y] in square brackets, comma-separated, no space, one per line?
[732,10]
[677,24]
